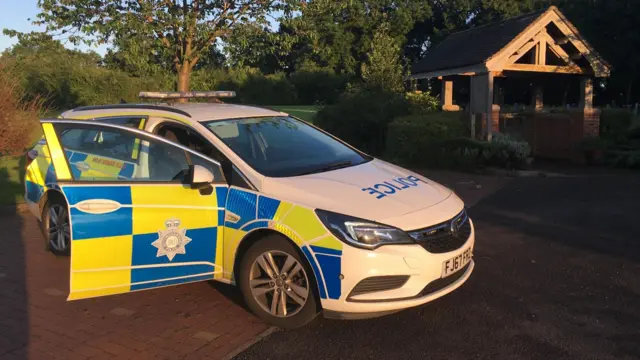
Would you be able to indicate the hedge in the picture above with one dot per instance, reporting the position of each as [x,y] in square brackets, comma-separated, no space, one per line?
[415,139]
[614,123]
[361,118]
[439,140]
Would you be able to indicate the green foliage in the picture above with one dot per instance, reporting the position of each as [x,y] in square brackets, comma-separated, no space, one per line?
[67,78]
[250,84]
[422,102]
[437,140]
[338,34]
[320,86]
[361,117]
[615,123]
[12,179]
[383,69]
[413,139]
[18,116]
[592,143]
[175,32]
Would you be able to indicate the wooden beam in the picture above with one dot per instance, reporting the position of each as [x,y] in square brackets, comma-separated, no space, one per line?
[547,69]
[541,52]
[559,51]
[503,57]
[523,50]
[466,70]
[598,66]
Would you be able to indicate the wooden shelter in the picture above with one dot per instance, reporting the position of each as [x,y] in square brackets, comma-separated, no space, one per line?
[540,42]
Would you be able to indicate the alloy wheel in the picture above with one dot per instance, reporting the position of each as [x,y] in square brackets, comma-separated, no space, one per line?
[279,283]
[59,234]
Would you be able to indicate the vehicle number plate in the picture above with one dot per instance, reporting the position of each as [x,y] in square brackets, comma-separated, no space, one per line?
[456,263]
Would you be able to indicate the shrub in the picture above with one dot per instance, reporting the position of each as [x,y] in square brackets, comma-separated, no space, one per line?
[69,79]
[507,152]
[318,86]
[415,139]
[437,140]
[614,123]
[361,117]
[18,117]
[421,102]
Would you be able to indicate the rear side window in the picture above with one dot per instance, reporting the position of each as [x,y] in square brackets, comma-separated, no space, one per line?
[132,122]
[109,144]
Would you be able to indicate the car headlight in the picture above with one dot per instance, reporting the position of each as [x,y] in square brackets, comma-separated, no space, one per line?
[362,233]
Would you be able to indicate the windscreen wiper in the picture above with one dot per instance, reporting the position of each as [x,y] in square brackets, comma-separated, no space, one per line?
[334,166]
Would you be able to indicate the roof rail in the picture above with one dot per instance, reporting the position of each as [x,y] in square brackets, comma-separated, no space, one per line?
[186,94]
[134,106]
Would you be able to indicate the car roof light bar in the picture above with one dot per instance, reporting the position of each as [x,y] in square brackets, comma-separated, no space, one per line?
[186,94]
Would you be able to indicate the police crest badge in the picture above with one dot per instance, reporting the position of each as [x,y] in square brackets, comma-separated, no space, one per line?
[172,240]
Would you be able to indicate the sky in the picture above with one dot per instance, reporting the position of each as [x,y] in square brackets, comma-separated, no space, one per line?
[14,14]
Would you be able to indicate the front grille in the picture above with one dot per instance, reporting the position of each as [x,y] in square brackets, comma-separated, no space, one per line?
[442,283]
[378,283]
[444,237]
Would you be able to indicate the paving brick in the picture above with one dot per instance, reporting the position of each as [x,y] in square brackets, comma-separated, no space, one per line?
[122,312]
[36,321]
[205,335]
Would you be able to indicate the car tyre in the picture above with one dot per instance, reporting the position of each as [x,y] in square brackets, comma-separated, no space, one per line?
[56,226]
[278,284]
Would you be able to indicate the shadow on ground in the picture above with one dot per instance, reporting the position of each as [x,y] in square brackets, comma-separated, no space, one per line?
[14,315]
[555,278]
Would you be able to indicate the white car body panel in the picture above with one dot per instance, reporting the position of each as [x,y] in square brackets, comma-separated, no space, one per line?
[376,191]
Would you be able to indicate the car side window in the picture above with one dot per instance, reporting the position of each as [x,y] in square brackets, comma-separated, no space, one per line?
[132,122]
[190,138]
[97,155]
[99,143]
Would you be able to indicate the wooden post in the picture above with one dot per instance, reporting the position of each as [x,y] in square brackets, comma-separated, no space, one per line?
[489,105]
[586,93]
[472,122]
[446,97]
[537,100]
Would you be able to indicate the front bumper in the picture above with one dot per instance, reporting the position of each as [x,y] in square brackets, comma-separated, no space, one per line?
[424,283]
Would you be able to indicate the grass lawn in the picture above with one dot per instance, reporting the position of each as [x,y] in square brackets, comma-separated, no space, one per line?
[306,112]
[11,178]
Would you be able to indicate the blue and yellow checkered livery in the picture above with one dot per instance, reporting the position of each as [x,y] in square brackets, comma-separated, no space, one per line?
[299,223]
[113,253]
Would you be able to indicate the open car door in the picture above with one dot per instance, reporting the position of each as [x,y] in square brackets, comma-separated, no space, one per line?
[144,212]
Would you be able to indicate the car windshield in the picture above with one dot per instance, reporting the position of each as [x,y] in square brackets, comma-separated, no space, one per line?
[281,146]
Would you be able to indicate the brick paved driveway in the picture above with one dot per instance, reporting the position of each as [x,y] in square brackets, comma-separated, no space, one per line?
[198,320]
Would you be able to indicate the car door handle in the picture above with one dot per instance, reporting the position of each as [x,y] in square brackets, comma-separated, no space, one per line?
[98,206]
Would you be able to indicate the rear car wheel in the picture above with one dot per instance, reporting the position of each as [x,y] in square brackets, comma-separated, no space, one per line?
[57,231]
[277,283]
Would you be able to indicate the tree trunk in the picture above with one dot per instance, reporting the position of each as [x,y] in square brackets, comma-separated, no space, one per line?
[184,80]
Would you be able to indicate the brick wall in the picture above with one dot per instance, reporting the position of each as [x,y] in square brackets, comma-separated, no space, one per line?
[554,135]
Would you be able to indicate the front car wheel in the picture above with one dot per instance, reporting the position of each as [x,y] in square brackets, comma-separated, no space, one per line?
[277,284]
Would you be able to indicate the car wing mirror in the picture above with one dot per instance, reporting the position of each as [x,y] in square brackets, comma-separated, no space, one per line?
[200,177]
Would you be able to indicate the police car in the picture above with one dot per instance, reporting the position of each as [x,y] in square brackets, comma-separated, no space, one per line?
[151,195]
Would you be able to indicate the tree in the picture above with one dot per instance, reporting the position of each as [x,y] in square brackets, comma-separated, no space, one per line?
[259,47]
[181,30]
[383,68]
[338,34]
